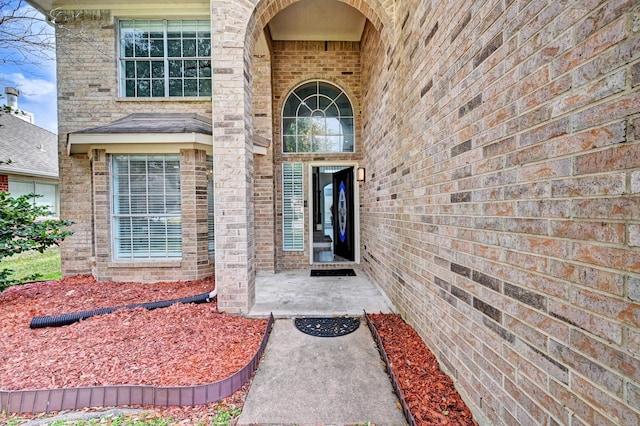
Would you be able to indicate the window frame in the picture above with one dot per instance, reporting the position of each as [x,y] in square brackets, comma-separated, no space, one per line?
[149,216]
[332,86]
[201,77]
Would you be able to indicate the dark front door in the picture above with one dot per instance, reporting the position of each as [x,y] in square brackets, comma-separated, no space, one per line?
[343,226]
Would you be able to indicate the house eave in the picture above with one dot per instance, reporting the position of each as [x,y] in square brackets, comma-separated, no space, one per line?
[28,173]
[84,143]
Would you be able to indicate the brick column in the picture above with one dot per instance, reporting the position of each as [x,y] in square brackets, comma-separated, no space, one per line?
[233,158]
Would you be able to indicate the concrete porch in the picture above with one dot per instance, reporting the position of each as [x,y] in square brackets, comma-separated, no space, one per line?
[295,293]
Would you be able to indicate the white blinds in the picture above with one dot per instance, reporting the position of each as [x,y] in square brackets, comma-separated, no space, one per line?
[292,206]
[147,220]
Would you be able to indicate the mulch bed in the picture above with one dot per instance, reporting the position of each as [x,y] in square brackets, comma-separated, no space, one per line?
[182,345]
[429,393]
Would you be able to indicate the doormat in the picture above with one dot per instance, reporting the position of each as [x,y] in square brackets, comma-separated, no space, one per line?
[333,273]
[327,327]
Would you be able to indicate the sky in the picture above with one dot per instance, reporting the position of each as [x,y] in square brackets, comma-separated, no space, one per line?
[37,87]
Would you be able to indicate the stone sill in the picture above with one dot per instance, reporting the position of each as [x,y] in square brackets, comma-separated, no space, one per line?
[145,264]
[167,99]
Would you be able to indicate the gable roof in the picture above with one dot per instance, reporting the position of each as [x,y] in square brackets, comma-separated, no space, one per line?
[33,151]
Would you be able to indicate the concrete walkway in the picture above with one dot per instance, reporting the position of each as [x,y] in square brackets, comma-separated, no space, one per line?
[291,294]
[306,380]
[314,380]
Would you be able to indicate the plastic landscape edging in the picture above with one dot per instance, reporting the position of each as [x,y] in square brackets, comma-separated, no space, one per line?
[394,381]
[68,319]
[48,400]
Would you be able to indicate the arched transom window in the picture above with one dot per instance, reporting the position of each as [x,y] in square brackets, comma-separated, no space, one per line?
[317,117]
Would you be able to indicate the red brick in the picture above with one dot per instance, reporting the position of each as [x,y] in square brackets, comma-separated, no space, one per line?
[634,235]
[597,231]
[545,93]
[622,208]
[605,354]
[593,371]
[615,109]
[611,257]
[594,92]
[587,140]
[603,401]
[554,327]
[544,208]
[579,406]
[555,408]
[611,184]
[529,334]
[593,45]
[615,158]
[530,407]
[633,342]
[599,326]
[616,57]
[544,246]
[602,17]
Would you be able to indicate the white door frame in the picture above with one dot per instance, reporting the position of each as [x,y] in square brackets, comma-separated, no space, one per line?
[356,207]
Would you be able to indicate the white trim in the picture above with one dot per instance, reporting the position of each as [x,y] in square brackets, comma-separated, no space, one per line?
[353,117]
[83,143]
[356,208]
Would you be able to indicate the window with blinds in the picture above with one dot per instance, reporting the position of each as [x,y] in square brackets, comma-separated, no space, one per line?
[292,206]
[146,213]
[210,207]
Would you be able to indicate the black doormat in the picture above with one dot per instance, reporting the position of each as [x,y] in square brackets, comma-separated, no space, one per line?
[333,273]
[327,327]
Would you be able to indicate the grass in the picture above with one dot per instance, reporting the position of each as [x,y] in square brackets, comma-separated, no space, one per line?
[24,265]
[222,418]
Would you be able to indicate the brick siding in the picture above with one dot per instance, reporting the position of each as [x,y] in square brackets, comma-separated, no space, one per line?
[500,211]
[87,98]
[293,63]
[501,208]
[4,183]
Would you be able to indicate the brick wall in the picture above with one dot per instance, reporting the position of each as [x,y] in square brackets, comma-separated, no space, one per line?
[501,209]
[87,97]
[293,63]
[264,190]
[4,183]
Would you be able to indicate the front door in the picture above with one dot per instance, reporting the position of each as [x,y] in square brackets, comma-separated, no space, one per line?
[343,223]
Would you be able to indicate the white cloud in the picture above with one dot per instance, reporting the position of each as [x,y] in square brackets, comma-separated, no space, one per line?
[37,95]
[32,88]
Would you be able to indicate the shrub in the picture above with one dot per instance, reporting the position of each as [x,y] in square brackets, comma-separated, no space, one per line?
[23,227]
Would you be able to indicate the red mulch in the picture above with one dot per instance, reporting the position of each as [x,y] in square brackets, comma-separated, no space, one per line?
[429,393]
[182,345]
[177,346]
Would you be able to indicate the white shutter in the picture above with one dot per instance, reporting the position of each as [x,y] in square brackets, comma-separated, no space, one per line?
[292,206]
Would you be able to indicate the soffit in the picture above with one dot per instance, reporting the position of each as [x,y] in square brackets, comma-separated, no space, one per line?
[128,7]
[318,20]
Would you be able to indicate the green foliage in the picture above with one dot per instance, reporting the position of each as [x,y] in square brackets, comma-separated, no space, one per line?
[224,418]
[24,227]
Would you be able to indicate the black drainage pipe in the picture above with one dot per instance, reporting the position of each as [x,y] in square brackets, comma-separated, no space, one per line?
[66,319]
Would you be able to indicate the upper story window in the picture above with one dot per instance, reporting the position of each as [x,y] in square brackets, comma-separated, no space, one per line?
[317,117]
[165,58]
